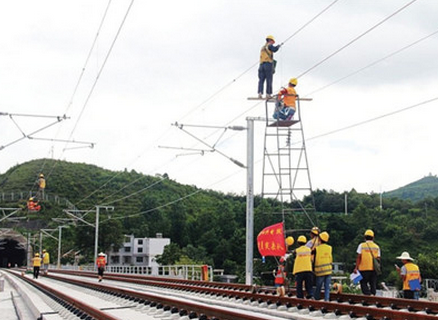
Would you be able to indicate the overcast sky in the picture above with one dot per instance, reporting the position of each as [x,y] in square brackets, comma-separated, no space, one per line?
[195,62]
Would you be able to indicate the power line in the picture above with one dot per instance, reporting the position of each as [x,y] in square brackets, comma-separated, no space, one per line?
[355,39]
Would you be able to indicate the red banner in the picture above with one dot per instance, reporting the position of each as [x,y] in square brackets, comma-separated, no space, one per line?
[270,241]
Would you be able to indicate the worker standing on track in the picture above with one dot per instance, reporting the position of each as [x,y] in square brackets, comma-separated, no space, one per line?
[280,277]
[303,268]
[101,263]
[46,261]
[323,266]
[286,99]
[36,263]
[267,67]
[410,274]
[366,251]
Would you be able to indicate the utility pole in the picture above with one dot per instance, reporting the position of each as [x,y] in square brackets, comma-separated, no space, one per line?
[96,236]
[249,202]
[59,245]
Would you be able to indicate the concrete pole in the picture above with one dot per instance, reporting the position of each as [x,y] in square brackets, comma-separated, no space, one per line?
[250,203]
[59,247]
[41,242]
[96,236]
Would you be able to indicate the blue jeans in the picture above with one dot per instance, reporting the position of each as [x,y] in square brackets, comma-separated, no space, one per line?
[265,73]
[305,277]
[319,282]
[285,113]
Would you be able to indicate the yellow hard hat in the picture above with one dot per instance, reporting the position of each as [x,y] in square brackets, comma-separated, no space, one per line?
[290,241]
[369,233]
[44,250]
[41,175]
[30,199]
[293,81]
[324,236]
[315,230]
[270,38]
[37,254]
[302,239]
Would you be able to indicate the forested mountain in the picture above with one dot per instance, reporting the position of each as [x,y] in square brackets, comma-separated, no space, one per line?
[418,190]
[209,227]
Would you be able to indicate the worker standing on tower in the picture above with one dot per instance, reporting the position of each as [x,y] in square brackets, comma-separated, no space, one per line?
[267,66]
[41,186]
[286,99]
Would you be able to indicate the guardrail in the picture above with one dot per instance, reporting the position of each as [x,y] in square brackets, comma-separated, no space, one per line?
[187,272]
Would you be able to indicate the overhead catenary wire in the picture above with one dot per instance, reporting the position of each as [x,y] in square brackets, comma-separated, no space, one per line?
[355,39]
[231,82]
[371,64]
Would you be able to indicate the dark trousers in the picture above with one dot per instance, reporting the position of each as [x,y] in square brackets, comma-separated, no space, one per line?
[265,73]
[368,284]
[305,277]
[36,272]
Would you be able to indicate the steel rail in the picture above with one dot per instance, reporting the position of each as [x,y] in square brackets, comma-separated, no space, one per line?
[371,307]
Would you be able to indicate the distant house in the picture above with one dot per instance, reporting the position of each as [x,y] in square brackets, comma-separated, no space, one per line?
[139,251]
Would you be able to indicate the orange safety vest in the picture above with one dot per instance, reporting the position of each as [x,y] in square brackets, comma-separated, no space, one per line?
[412,273]
[323,260]
[290,97]
[101,262]
[266,55]
[279,277]
[303,260]
[366,262]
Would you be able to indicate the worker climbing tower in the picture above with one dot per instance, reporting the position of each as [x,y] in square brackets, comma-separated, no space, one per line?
[286,175]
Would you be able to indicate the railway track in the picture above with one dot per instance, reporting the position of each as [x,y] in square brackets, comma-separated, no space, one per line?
[341,305]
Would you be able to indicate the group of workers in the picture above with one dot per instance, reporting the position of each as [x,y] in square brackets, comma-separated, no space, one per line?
[40,263]
[368,265]
[313,261]
[312,266]
[285,105]
[33,204]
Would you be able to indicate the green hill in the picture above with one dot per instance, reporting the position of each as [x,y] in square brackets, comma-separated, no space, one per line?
[415,191]
[209,227]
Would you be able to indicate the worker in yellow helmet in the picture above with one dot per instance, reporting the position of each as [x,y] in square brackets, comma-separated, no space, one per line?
[303,268]
[366,251]
[267,66]
[36,263]
[323,266]
[41,186]
[285,105]
[46,262]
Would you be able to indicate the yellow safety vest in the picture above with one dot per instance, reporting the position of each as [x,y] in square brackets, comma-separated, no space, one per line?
[46,258]
[42,183]
[36,262]
[366,262]
[412,273]
[266,55]
[323,260]
[303,261]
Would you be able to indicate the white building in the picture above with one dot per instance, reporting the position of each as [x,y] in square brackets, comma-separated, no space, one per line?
[139,251]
